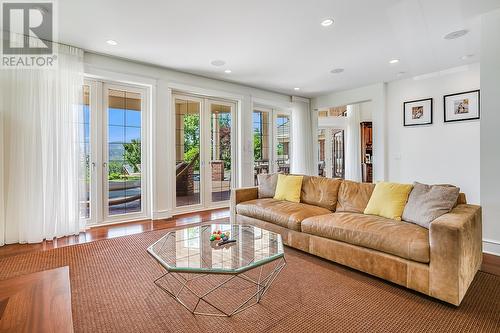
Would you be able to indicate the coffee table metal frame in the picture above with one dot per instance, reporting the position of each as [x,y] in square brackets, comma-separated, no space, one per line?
[262,283]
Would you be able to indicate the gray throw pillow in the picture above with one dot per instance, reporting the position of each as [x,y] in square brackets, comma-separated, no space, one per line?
[428,202]
[267,184]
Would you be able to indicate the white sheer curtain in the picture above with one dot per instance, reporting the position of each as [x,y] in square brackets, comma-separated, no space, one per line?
[352,144]
[41,110]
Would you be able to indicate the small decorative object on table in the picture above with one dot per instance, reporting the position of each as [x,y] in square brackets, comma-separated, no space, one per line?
[219,236]
[219,239]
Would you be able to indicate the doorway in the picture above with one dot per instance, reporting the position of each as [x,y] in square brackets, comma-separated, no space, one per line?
[331,147]
[345,147]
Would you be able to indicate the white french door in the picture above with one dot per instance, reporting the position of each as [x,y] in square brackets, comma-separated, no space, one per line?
[116,154]
[272,141]
[204,152]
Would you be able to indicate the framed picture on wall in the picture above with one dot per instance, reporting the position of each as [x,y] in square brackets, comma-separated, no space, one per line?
[417,112]
[461,106]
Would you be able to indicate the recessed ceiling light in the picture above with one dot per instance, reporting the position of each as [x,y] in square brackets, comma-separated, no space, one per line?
[456,34]
[112,42]
[228,71]
[337,70]
[394,61]
[217,63]
[467,56]
[327,22]
[296,88]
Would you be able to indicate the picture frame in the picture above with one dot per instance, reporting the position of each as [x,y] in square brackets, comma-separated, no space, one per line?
[462,106]
[418,112]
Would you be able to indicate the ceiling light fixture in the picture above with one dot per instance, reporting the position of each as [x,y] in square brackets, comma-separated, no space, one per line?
[394,61]
[456,34]
[337,70]
[296,89]
[327,22]
[112,42]
[467,56]
[228,71]
[217,63]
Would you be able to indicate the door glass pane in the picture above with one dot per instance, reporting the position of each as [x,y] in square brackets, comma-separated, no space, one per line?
[124,152]
[220,151]
[338,154]
[187,152]
[321,152]
[261,151]
[283,147]
[84,174]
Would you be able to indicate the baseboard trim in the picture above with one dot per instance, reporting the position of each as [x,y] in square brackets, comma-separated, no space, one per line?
[491,246]
[162,214]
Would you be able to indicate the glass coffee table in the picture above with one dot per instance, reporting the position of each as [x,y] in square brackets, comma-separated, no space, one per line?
[218,280]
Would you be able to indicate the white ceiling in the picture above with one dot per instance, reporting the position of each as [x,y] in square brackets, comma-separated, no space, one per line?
[280,44]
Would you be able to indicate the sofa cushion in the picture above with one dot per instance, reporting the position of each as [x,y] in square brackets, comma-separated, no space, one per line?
[402,239]
[267,184]
[284,213]
[353,196]
[320,191]
[428,202]
[288,188]
[388,200]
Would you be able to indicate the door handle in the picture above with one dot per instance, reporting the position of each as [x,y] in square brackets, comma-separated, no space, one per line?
[105,165]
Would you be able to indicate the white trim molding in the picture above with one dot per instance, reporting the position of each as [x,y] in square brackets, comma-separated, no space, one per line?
[162,214]
[301,99]
[204,92]
[491,246]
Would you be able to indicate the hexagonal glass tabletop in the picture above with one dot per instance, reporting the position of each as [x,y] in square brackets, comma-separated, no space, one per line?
[190,249]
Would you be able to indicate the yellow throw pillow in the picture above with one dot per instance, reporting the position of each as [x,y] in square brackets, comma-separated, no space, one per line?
[288,188]
[388,200]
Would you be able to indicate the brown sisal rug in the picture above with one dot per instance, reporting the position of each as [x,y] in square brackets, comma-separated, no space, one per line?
[113,291]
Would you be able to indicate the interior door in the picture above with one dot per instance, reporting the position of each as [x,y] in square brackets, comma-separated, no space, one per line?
[123,152]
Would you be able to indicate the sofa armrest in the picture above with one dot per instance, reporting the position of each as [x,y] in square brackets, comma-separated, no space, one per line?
[455,252]
[245,194]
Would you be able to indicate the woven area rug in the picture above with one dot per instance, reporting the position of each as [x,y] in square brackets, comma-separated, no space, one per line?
[113,291]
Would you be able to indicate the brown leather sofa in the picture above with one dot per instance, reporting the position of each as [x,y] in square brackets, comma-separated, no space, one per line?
[329,222]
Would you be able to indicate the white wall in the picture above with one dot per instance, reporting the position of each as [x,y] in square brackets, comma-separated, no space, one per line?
[365,111]
[163,81]
[490,132]
[437,153]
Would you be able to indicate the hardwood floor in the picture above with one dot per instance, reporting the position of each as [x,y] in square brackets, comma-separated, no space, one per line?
[37,302]
[115,230]
[491,263]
